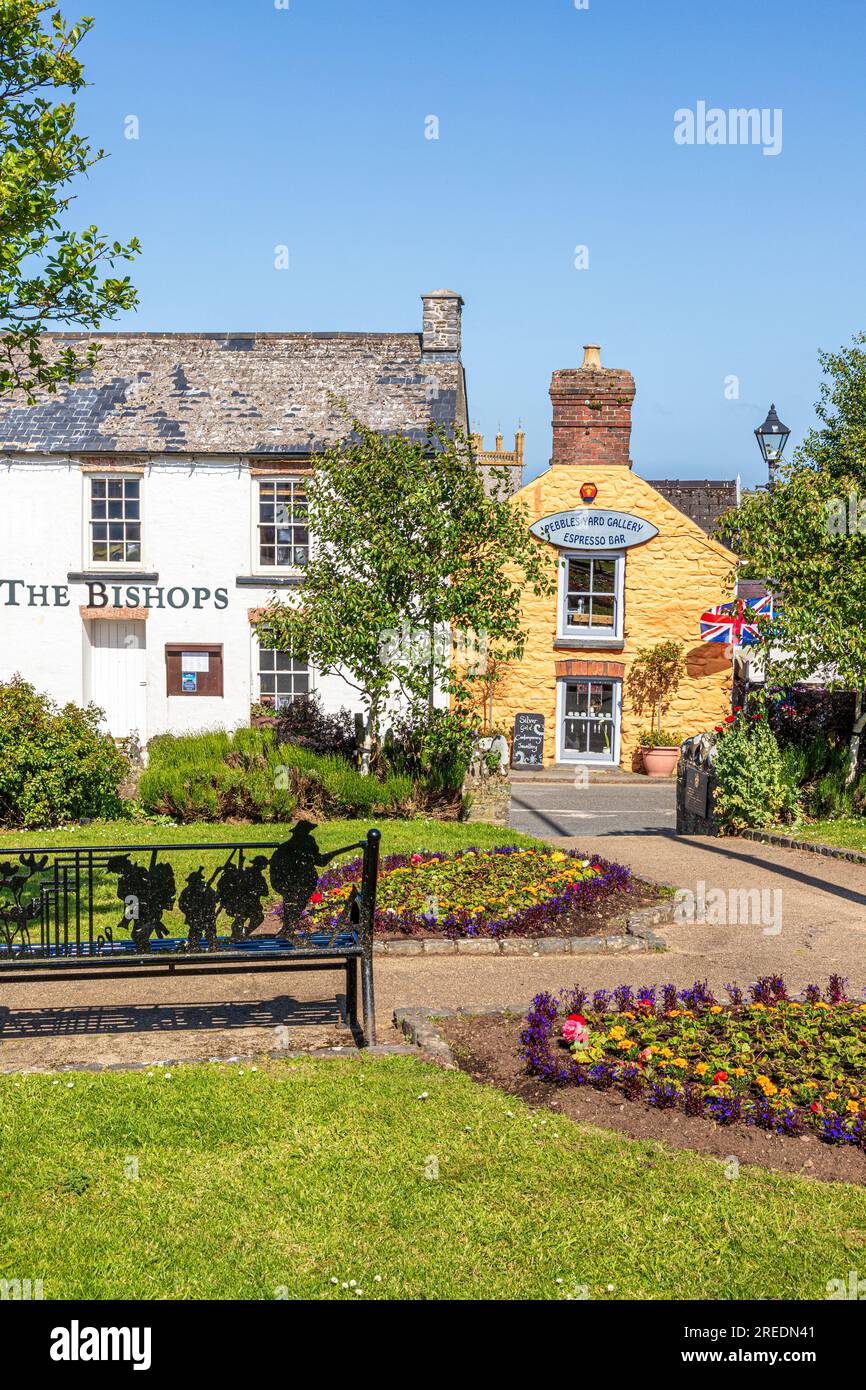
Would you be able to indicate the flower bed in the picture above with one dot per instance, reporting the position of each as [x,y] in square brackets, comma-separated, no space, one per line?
[783,1064]
[507,891]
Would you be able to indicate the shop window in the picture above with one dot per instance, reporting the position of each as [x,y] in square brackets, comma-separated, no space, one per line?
[591,596]
[193,668]
[115,521]
[283,538]
[589,720]
[282,678]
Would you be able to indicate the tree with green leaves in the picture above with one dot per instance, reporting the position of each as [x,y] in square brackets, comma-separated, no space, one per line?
[50,275]
[805,537]
[415,576]
[654,679]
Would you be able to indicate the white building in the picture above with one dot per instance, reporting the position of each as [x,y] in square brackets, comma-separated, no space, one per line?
[148,512]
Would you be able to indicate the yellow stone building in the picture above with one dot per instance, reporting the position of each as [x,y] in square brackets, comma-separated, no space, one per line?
[631,570]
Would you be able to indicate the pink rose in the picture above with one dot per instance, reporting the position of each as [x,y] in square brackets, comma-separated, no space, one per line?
[574,1030]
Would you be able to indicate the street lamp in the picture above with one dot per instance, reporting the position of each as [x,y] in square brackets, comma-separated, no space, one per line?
[772,437]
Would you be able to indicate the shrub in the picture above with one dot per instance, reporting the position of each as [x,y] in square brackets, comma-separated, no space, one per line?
[251,775]
[306,724]
[828,796]
[434,751]
[55,764]
[811,717]
[752,790]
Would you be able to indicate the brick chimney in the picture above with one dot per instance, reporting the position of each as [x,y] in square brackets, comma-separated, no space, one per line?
[591,413]
[442,313]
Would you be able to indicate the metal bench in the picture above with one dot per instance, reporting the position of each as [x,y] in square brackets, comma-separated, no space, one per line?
[55,906]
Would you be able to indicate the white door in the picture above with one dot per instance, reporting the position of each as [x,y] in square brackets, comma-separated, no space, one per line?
[118,675]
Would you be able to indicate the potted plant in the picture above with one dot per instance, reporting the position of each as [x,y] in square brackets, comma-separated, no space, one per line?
[652,683]
[661,751]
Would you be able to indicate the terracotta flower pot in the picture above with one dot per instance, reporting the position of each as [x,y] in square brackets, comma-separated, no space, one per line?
[660,762]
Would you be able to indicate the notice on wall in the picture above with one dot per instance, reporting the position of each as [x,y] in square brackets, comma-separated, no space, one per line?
[527,748]
[188,682]
[194,661]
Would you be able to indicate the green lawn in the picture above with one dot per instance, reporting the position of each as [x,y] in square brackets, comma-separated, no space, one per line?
[232,1183]
[846,832]
[398,836]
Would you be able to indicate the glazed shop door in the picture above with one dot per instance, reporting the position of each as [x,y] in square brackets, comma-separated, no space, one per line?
[589,712]
[118,672]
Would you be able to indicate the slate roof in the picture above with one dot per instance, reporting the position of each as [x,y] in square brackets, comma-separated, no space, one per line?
[704,500]
[235,393]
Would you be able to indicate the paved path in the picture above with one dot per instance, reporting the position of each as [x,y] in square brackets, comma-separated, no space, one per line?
[820,907]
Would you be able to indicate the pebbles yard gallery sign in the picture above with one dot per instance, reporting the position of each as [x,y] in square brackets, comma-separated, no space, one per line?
[594,528]
[20,593]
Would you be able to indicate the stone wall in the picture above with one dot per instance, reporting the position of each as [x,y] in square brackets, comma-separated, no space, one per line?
[490,799]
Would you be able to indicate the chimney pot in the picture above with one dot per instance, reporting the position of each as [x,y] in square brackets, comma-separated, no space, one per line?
[591,357]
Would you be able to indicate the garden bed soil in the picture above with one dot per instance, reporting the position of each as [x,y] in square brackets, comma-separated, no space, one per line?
[486,1048]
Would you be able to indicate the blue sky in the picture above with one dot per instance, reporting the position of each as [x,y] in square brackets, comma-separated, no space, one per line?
[305,126]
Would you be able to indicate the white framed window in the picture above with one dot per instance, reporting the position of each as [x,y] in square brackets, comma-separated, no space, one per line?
[590,595]
[113,520]
[281,539]
[588,713]
[281,678]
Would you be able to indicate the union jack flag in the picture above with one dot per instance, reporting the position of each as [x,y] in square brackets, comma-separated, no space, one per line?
[733,623]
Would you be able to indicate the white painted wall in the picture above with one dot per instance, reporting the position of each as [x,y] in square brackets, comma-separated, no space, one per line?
[197,533]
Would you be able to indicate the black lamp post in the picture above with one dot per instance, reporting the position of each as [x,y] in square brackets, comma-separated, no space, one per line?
[772,437]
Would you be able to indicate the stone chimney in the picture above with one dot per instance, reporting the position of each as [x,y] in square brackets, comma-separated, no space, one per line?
[591,413]
[441,332]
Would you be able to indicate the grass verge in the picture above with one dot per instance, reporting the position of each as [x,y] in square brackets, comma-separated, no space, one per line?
[845,832]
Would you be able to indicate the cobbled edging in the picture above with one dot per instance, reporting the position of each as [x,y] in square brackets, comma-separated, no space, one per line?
[639,935]
[768,837]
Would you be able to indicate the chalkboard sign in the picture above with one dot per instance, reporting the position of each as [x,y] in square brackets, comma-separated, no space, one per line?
[527,750]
